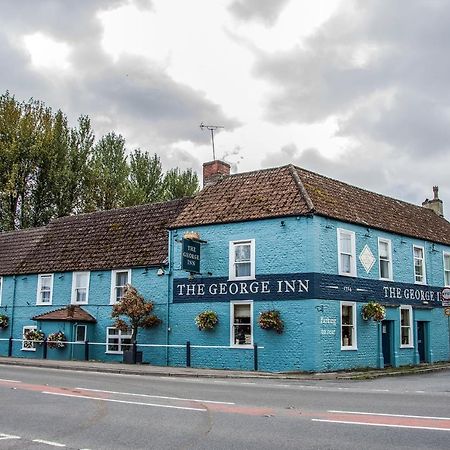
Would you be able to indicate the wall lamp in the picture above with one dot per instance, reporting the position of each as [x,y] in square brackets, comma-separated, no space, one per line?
[160,272]
[282,223]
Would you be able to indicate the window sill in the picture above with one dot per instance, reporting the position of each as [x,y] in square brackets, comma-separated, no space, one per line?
[28,349]
[242,278]
[114,353]
[353,275]
[79,303]
[243,346]
[386,279]
[407,346]
[43,304]
[348,348]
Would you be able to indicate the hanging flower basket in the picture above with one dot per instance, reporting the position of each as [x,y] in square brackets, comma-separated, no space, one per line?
[271,320]
[4,321]
[206,320]
[32,337]
[56,340]
[373,310]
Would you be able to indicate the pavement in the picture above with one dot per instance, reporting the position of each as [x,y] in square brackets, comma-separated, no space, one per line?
[164,371]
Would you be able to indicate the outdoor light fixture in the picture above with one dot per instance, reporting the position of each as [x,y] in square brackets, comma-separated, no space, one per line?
[160,272]
[282,224]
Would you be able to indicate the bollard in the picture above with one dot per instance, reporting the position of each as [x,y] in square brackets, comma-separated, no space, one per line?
[188,354]
[86,350]
[44,355]
[10,344]
[255,357]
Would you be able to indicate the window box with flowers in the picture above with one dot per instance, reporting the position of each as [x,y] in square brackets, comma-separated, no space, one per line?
[4,321]
[271,320]
[56,340]
[373,310]
[33,337]
[206,320]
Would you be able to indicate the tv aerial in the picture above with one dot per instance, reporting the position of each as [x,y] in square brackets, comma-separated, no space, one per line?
[211,128]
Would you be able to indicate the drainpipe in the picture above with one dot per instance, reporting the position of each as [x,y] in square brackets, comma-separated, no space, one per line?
[11,333]
[169,292]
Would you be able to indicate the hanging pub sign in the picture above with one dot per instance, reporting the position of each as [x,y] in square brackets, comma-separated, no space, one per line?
[190,256]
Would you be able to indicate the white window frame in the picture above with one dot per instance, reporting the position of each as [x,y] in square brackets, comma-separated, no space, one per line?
[232,262]
[232,337]
[39,287]
[410,326]
[446,270]
[112,299]
[33,344]
[76,332]
[121,335]
[354,345]
[1,290]
[340,232]
[389,246]
[73,300]
[424,267]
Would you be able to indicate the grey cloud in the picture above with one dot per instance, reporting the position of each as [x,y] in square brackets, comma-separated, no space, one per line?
[406,64]
[266,11]
[128,95]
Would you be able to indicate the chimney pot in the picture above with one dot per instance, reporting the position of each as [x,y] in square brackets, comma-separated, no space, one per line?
[214,171]
[436,204]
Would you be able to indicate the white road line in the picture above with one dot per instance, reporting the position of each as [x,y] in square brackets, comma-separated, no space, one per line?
[156,396]
[10,381]
[388,415]
[126,402]
[251,383]
[381,425]
[4,437]
[54,444]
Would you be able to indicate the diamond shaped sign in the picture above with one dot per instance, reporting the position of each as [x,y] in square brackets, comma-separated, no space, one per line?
[367,259]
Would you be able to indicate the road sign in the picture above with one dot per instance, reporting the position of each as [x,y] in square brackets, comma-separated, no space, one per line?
[445,297]
[447,311]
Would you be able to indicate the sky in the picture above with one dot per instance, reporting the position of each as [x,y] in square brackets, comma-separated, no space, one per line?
[357,90]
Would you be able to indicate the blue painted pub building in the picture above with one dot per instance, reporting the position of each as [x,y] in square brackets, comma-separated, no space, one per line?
[286,239]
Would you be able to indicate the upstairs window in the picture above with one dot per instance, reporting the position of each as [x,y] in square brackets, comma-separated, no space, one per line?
[406,340]
[44,289]
[347,252]
[447,269]
[80,288]
[242,260]
[385,258]
[419,265]
[119,279]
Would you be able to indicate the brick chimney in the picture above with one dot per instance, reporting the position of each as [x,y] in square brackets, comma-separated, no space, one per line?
[436,204]
[214,171]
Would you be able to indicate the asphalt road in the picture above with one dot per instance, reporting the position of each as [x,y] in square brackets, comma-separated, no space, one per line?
[46,408]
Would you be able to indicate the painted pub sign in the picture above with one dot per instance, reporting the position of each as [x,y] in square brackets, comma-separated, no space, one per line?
[190,256]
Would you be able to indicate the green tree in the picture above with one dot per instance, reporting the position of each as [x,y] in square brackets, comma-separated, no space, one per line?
[179,184]
[109,172]
[145,180]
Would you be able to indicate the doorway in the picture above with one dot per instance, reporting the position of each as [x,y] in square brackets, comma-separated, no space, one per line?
[422,341]
[386,341]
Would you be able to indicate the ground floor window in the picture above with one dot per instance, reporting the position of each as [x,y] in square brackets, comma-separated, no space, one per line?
[241,323]
[348,326]
[117,341]
[80,333]
[27,345]
[406,326]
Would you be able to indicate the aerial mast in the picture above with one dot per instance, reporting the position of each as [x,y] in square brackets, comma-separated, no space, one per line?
[211,128]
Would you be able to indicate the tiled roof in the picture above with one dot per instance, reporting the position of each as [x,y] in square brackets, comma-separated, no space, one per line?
[119,238]
[70,313]
[292,191]
[246,196]
[15,246]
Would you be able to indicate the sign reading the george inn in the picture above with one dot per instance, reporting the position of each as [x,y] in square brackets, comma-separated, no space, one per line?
[303,286]
[190,256]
